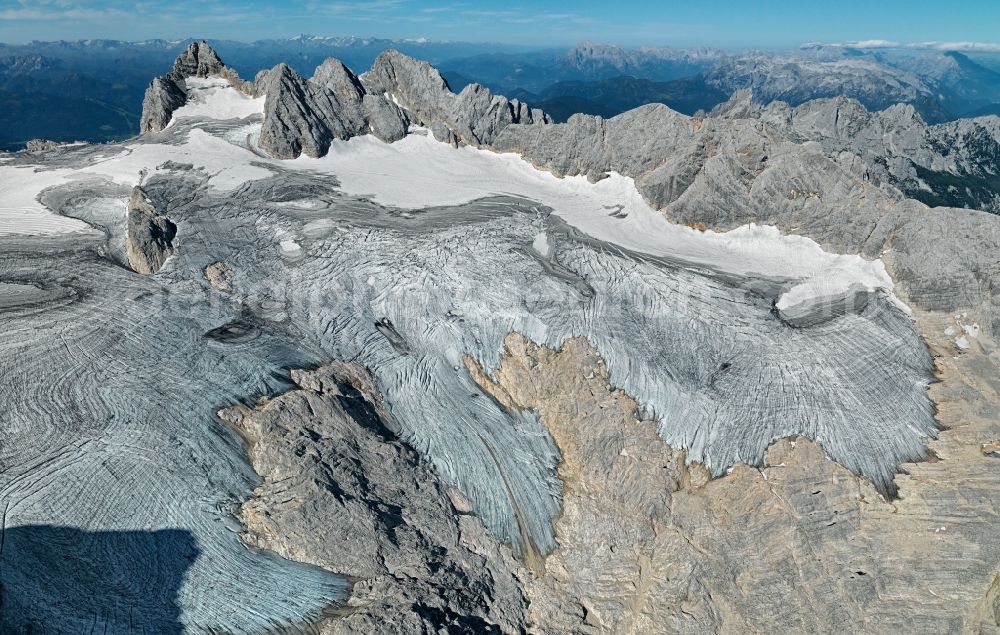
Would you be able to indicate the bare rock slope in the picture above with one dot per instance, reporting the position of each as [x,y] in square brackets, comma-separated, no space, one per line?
[332,468]
[950,164]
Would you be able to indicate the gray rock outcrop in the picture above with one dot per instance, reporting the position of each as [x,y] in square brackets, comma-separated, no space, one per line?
[198,60]
[419,562]
[148,235]
[40,145]
[164,95]
[474,116]
[305,116]
[220,276]
[951,164]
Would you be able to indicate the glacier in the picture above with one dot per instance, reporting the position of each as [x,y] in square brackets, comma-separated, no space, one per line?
[413,259]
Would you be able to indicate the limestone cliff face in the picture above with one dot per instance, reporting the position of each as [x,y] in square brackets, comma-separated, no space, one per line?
[148,235]
[198,60]
[303,116]
[163,97]
[475,116]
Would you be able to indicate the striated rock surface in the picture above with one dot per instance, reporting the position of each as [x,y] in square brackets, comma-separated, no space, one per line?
[948,164]
[475,116]
[304,116]
[647,543]
[148,235]
[331,467]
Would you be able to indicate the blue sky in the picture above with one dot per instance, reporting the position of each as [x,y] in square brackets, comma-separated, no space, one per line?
[723,23]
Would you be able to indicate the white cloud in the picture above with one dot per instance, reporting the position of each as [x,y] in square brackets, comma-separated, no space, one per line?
[990,47]
[874,44]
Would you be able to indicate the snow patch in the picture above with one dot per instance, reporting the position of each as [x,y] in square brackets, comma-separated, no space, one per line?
[542,246]
[20,211]
[215,98]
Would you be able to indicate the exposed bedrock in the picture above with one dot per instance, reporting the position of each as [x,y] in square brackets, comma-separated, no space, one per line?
[220,276]
[37,146]
[304,116]
[475,116]
[342,492]
[148,235]
[648,543]
[198,60]
[163,96]
[950,164]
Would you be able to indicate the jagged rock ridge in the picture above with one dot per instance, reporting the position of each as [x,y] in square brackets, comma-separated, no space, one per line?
[303,116]
[952,164]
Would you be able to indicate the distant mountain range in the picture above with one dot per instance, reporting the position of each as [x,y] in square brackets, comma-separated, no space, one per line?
[91,90]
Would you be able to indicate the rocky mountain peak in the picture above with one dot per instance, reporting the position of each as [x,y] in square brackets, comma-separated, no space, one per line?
[305,116]
[903,114]
[740,105]
[415,84]
[198,60]
[167,93]
[334,75]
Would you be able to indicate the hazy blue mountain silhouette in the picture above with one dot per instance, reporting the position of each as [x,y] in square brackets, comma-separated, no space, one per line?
[65,580]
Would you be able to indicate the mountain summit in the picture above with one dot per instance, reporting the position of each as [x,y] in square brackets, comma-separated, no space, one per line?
[167,93]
